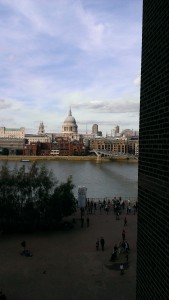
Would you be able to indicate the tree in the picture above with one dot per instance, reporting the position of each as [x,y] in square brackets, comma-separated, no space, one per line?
[31,197]
[67,197]
[62,201]
[7,195]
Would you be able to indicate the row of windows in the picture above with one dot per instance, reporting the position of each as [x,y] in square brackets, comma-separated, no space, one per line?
[69,128]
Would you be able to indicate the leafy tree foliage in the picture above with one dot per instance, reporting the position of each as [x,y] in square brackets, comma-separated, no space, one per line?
[31,198]
[62,202]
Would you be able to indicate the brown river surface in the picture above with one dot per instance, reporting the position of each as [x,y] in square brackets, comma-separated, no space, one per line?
[103,179]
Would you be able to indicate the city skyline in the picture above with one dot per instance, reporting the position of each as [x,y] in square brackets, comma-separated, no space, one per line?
[71,53]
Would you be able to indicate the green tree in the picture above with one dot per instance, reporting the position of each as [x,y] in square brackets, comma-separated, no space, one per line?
[7,195]
[43,188]
[31,197]
[67,197]
[62,201]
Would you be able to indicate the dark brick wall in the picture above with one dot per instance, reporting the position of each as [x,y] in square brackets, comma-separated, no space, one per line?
[153,182]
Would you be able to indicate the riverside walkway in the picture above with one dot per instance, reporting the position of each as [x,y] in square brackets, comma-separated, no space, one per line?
[66,265]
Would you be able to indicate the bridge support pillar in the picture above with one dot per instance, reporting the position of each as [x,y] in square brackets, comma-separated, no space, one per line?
[99,158]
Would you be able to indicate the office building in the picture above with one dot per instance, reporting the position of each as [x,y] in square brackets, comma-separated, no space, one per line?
[153,181]
[115,131]
[95,129]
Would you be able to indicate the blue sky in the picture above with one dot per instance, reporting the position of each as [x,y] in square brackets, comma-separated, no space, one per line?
[57,54]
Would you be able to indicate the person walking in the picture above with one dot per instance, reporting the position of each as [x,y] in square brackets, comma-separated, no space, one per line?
[123,234]
[125,221]
[121,269]
[100,208]
[126,246]
[82,222]
[102,242]
[87,221]
[117,215]
[23,244]
[127,258]
[97,244]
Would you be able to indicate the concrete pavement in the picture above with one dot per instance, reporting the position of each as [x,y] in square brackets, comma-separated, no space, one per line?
[66,266]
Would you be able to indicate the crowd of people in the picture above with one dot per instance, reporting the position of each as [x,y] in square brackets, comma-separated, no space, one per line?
[120,209]
[117,205]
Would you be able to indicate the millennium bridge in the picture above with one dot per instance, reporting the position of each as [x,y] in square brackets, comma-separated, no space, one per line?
[105,153]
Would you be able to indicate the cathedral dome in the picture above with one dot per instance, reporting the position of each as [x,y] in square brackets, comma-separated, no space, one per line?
[69,125]
[70,119]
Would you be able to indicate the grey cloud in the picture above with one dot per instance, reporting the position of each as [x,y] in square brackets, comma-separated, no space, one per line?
[105,123]
[110,107]
[4,104]
[132,122]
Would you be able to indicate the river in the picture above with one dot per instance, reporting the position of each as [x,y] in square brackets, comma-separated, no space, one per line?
[104,179]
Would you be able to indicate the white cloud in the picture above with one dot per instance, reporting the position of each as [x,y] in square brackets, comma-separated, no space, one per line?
[57,54]
[137,80]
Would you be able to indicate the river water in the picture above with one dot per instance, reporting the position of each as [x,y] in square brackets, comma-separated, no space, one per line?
[104,179]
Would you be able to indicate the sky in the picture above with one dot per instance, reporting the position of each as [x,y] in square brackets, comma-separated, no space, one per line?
[57,54]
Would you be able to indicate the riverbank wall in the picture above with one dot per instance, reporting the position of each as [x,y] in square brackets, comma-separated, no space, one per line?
[51,158]
[70,158]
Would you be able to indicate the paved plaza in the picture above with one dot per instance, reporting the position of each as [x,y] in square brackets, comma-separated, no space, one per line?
[66,265]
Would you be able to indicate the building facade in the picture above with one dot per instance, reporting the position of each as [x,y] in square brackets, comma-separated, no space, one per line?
[133,145]
[36,149]
[67,147]
[11,146]
[41,137]
[15,133]
[115,145]
[153,180]
[35,138]
[101,144]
